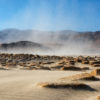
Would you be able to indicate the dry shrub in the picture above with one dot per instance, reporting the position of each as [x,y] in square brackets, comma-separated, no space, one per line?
[76,86]
[90,78]
[71,68]
[85,62]
[62,62]
[44,68]
[49,62]
[79,59]
[85,68]
[71,62]
[96,65]
[94,62]
[32,67]
[57,66]
[96,72]
[74,68]
[83,76]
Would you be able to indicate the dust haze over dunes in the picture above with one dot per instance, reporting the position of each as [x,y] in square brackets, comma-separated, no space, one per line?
[55,42]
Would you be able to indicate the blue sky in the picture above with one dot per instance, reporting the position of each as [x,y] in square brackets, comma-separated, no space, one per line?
[79,15]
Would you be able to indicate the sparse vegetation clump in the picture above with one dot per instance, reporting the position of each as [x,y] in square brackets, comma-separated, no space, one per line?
[85,62]
[74,68]
[71,68]
[83,76]
[95,63]
[76,86]
[90,78]
[32,62]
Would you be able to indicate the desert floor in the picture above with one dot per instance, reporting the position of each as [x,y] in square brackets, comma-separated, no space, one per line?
[22,85]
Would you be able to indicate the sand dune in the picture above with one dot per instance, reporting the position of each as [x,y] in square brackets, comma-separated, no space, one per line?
[22,85]
[21,76]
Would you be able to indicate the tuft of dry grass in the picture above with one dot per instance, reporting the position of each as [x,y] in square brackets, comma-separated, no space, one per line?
[94,62]
[76,86]
[71,68]
[96,65]
[44,68]
[74,68]
[83,76]
[56,67]
[85,62]
[90,78]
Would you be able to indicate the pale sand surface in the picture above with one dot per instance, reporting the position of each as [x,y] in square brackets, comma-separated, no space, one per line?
[22,85]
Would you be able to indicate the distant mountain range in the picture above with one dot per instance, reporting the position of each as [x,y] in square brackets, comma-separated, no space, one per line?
[66,40]
[22,46]
[13,35]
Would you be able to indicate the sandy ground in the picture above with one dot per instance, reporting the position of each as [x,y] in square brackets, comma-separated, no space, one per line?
[22,85]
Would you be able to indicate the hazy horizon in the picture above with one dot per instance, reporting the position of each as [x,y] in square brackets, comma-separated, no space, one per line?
[30,29]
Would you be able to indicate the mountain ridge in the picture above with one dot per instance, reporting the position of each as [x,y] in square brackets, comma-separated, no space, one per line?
[54,40]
